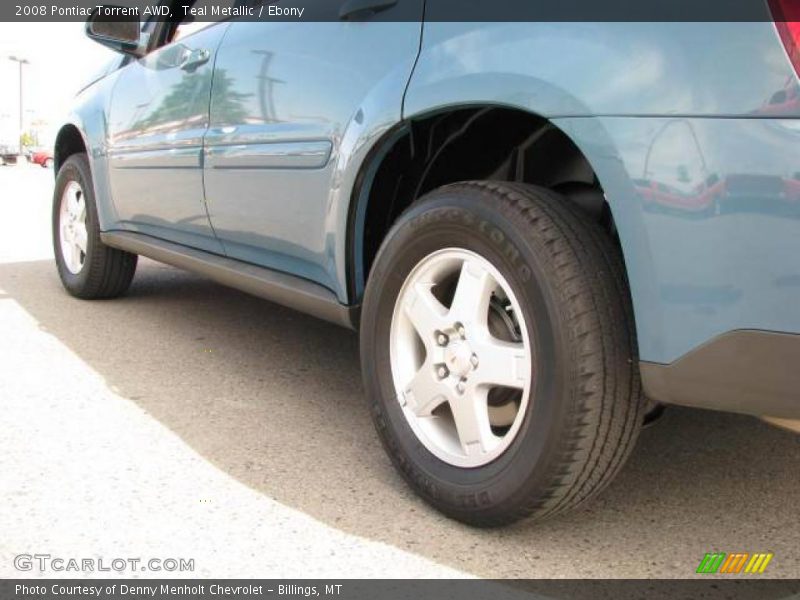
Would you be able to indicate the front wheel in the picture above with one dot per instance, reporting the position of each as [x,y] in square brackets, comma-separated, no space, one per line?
[87,267]
[498,352]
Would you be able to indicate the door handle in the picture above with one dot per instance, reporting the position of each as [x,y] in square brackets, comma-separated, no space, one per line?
[194,58]
[359,9]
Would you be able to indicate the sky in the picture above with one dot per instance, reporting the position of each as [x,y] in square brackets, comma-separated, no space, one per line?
[61,59]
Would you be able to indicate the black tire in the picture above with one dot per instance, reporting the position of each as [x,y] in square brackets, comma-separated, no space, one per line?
[586,405]
[106,272]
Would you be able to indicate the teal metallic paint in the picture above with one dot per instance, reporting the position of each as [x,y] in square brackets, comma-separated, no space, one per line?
[157,121]
[715,250]
[300,84]
[619,69]
[89,118]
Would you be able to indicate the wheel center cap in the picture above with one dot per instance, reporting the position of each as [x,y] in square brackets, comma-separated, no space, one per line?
[457,357]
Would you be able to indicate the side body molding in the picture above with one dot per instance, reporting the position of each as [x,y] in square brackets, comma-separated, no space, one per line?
[277,155]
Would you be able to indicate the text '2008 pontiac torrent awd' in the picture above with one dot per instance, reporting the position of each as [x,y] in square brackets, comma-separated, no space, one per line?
[542,230]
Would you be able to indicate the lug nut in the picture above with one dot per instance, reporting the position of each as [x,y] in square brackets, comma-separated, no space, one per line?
[460,387]
[474,360]
[461,331]
[442,339]
[442,372]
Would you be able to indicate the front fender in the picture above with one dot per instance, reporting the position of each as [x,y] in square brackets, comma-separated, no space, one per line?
[88,117]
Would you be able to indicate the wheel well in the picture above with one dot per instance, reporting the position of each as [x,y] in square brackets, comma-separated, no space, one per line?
[477,143]
[68,142]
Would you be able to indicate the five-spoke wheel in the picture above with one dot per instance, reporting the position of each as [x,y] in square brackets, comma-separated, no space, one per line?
[497,352]
[72,232]
[461,358]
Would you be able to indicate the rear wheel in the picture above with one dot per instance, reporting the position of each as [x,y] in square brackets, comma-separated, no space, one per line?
[498,353]
[87,267]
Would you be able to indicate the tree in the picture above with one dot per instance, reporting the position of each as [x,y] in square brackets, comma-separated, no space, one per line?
[28,139]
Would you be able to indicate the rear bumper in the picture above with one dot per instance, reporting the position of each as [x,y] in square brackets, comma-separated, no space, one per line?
[747,371]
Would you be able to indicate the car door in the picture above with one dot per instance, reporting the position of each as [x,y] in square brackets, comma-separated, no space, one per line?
[158,115]
[291,104]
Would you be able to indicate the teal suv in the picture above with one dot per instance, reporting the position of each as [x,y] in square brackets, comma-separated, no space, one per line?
[543,230]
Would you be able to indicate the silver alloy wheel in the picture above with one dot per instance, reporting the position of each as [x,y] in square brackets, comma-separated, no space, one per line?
[464,390]
[72,227]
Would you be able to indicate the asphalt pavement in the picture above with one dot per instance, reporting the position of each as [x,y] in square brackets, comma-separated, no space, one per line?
[187,420]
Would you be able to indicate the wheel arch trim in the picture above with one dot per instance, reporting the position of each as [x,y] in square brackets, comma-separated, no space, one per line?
[68,130]
[601,155]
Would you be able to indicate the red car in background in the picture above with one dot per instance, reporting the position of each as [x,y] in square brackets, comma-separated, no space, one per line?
[43,159]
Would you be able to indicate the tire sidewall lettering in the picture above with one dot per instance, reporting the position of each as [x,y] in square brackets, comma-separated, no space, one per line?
[490,231]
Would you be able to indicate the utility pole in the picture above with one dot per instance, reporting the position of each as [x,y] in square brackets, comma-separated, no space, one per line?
[21,62]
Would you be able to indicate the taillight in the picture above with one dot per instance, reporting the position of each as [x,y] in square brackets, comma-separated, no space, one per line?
[786,14]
